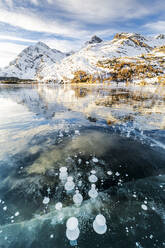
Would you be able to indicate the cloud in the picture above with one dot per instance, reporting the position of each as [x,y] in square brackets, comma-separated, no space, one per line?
[35,2]
[63,45]
[157,27]
[32,22]
[12,38]
[50,1]
[8,52]
[104,33]
[75,18]
[97,11]
[9,3]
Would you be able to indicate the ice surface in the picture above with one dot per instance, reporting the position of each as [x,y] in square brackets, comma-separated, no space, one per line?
[29,230]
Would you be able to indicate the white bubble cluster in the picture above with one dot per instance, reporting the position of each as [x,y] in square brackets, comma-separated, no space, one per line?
[58,206]
[63,174]
[69,185]
[77,198]
[46,200]
[99,224]
[93,192]
[72,230]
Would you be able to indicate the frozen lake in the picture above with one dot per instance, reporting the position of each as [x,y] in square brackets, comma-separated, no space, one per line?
[113,132]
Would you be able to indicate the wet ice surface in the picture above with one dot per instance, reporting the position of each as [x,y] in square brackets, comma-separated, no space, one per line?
[114,134]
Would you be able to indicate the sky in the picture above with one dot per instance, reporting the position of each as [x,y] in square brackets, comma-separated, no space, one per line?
[66,24]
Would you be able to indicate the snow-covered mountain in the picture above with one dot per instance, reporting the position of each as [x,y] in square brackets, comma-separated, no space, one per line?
[31,61]
[86,59]
[45,64]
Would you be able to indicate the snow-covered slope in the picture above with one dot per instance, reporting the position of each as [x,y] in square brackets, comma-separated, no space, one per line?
[86,59]
[42,63]
[31,61]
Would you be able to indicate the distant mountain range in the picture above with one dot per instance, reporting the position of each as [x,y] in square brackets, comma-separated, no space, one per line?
[45,64]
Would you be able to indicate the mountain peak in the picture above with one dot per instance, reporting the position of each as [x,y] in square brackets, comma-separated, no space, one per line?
[41,44]
[37,46]
[93,40]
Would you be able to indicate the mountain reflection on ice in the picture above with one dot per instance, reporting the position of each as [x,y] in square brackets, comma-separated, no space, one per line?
[116,131]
